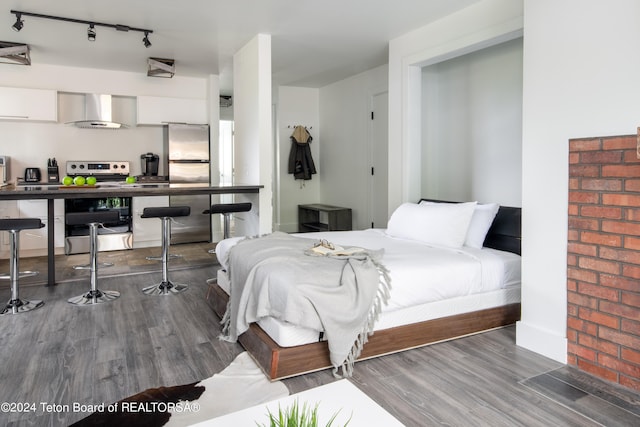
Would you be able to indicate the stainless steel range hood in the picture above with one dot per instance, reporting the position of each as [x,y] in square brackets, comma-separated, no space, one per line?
[97,113]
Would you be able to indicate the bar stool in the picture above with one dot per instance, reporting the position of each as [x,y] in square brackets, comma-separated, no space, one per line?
[226,209]
[93,220]
[165,287]
[13,226]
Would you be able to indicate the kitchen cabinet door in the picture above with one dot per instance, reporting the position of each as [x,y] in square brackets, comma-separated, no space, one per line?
[157,110]
[147,232]
[28,104]
[38,208]
[8,209]
[34,242]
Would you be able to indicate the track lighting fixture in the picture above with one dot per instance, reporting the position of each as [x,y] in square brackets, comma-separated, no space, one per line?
[145,40]
[91,33]
[14,53]
[161,67]
[19,23]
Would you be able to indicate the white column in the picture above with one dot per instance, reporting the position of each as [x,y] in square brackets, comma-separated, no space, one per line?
[253,148]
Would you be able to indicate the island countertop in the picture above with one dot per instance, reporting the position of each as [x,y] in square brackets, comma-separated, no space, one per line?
[50,192]
[116,189]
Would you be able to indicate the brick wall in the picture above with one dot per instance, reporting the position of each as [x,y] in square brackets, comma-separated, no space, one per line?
[603,262]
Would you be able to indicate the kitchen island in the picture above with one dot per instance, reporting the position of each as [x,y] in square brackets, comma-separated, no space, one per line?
[51,192]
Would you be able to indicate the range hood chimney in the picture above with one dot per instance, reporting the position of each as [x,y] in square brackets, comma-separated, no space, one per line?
[97,113]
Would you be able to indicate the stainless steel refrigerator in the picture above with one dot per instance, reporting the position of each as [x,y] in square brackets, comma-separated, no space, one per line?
[187,150]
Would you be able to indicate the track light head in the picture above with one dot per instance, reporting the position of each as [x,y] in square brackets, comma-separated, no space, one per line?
[91,33]
[19,23]
[145,40]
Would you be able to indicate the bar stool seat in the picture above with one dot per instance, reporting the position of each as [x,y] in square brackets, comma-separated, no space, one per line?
[94,220]
[14,226]
[165,213]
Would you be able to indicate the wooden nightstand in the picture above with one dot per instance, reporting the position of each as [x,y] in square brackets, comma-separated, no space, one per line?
[319,217]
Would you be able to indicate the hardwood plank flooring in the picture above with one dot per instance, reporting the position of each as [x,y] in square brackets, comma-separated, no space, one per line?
[61,354]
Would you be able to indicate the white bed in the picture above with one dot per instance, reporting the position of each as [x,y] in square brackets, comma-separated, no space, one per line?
[427,281]
[455,270]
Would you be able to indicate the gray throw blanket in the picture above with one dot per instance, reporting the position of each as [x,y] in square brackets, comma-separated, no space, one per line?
[276,275]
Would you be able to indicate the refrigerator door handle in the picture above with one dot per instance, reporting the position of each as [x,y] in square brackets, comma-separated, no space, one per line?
[188,161]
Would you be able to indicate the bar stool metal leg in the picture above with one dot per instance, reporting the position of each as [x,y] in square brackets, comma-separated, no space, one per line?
[165,287]
[15,304]
[94,296]
[226,227]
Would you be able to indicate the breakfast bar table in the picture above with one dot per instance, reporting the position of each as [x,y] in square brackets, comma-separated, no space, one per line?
[51,192]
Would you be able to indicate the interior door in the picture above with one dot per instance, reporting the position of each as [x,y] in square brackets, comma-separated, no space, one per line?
[379,182]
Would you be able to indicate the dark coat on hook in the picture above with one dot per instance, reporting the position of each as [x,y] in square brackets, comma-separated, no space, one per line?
[300,161]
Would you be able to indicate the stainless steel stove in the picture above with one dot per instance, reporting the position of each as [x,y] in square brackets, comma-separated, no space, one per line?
[102,170]
[113,236]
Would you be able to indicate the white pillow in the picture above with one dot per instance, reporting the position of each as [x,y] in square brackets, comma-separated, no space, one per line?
[444,224]
[481,221]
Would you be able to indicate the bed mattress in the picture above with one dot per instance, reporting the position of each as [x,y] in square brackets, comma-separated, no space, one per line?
[427,282]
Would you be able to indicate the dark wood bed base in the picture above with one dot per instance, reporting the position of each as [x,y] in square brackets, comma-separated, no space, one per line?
[282,362]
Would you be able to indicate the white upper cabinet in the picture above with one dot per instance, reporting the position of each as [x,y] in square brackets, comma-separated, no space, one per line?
[157,110]
[28,104]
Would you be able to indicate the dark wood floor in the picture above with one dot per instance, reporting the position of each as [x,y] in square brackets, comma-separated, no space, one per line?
[61,354]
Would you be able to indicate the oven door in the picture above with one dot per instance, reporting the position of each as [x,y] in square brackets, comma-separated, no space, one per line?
[111,236]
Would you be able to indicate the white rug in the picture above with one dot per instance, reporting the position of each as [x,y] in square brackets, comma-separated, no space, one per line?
[240,385]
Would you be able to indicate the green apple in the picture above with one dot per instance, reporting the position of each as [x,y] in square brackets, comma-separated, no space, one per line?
[67,180]
[91,180]
[79,180]
[131,179]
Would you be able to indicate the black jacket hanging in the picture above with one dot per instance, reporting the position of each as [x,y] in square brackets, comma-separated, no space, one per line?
[300,161]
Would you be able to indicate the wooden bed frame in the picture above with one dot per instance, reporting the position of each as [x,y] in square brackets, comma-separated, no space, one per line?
[282,362]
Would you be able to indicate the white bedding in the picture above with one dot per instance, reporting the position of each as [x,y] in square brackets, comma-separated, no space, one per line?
[426,281]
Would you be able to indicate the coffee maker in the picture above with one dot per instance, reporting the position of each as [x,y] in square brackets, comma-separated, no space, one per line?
[149,163]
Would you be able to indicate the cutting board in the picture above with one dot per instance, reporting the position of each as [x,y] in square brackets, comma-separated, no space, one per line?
[81,187]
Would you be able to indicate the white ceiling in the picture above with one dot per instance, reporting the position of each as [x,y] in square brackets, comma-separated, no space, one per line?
[314,42]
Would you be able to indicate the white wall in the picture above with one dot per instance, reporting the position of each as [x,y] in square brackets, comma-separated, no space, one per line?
[345,143]
[580,80]
[31,143]
[89,80]
[296,106]
[472,126]
[482,24]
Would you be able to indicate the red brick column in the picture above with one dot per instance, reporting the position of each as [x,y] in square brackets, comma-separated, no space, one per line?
[603,262]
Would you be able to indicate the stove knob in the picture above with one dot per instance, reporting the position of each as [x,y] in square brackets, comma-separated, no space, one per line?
[73,166]
[122,166]
[115,166]
[81,166]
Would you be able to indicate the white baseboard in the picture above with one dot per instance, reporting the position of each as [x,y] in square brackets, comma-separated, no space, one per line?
[291,227]
[541,341]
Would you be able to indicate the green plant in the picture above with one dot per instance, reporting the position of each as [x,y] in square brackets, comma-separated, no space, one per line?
[295,416]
